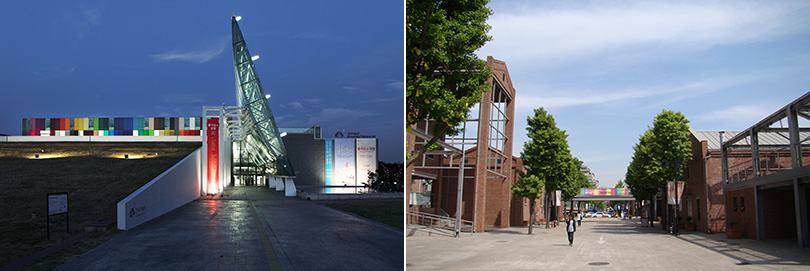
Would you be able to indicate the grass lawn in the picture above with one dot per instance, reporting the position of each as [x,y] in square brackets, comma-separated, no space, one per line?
[387,212]
[94,175]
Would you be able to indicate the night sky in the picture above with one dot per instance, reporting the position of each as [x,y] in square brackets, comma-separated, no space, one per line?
[338,64]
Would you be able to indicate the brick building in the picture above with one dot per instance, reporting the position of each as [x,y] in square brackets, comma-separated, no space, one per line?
[485,147]
[755,181]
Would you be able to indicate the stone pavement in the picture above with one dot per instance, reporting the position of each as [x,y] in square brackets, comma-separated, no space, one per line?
[601,244]
[251,228]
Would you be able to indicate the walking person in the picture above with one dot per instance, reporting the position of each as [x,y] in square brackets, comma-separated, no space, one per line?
[579,219]
[571,227]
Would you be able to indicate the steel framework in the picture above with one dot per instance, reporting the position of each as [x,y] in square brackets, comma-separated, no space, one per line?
[775,173]
[256,130]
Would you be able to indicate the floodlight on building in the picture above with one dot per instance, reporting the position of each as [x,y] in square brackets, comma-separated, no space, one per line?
[253,58]
[238,18]
[282,134]
[267,96]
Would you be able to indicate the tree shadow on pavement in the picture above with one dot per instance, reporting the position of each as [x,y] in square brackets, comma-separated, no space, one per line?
[514,230]
[618,227]
[753,252]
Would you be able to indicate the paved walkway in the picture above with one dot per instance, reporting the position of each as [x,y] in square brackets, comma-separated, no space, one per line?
[251,228]
[601,244]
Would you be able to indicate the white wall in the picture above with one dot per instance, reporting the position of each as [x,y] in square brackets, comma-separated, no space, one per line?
[173,188]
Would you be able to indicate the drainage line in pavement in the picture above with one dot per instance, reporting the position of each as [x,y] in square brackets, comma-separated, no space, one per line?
[272,260]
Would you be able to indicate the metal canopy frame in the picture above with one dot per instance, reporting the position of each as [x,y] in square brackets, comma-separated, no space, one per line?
[256,129]
[794,174]
[768,162]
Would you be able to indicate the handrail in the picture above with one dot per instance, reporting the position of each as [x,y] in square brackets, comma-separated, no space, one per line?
[438,221]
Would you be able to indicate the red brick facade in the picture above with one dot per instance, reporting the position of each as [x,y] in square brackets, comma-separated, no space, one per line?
[487,198]
[704,180]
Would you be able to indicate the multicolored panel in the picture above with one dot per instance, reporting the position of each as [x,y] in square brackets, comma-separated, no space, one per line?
[169,126]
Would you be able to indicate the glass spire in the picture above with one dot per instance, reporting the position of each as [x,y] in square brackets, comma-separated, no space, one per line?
[262,143]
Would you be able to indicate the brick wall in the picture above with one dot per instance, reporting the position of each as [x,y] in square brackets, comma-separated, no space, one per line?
[779,213]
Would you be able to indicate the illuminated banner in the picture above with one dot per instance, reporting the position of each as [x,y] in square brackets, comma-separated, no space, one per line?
[212,139]
[344,162]
[327,163]
[366,158]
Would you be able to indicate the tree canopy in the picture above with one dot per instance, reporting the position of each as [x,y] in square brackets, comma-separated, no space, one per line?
[444,76]
[547,156]
[529,187]
[667,142]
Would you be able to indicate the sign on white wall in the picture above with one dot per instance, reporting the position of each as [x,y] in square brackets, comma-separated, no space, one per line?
[344,171]
[366,158]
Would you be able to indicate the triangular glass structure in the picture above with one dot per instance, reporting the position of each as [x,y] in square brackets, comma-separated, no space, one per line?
[261,145]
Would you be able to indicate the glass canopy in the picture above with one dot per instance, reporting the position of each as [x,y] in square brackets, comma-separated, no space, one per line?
[261,146]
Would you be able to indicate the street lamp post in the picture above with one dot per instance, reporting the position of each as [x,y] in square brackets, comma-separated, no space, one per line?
[678,165]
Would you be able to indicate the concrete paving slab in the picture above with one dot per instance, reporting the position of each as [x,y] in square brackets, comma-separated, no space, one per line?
[216,233]
[600,244]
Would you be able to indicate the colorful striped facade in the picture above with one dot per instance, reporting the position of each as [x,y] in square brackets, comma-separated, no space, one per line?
[164,126]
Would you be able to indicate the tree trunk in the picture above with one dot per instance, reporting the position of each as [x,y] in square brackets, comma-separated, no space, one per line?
[531,215]
[548,210]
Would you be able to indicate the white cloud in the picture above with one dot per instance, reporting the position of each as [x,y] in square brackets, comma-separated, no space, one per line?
[398,86]
[546,35]
[196,57]
[664,92]
[296,105]
[738,116]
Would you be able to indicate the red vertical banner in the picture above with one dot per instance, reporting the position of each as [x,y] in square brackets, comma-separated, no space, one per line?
[212,139]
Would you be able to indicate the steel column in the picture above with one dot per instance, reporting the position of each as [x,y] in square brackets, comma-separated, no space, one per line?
[759,214]
[800,201]
[795,141]
[755,152]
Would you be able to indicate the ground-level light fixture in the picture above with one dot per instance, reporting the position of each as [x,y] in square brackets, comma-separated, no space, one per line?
[36,156]
[126,156]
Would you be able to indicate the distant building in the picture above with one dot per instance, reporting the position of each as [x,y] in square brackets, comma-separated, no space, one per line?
[590,176]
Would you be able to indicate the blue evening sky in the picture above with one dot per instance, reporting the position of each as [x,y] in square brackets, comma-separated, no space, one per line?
[605,69]
[338,64]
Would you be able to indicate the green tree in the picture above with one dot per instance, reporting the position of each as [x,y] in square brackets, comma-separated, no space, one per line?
[599,205]
[444,76]
[667,141]
[547,156]
[616,204]
[529,187]
[387,178]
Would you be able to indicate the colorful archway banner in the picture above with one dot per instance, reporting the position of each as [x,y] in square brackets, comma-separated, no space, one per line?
[604,191]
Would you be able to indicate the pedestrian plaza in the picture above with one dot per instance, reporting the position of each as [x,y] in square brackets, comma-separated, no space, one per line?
[599,244]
